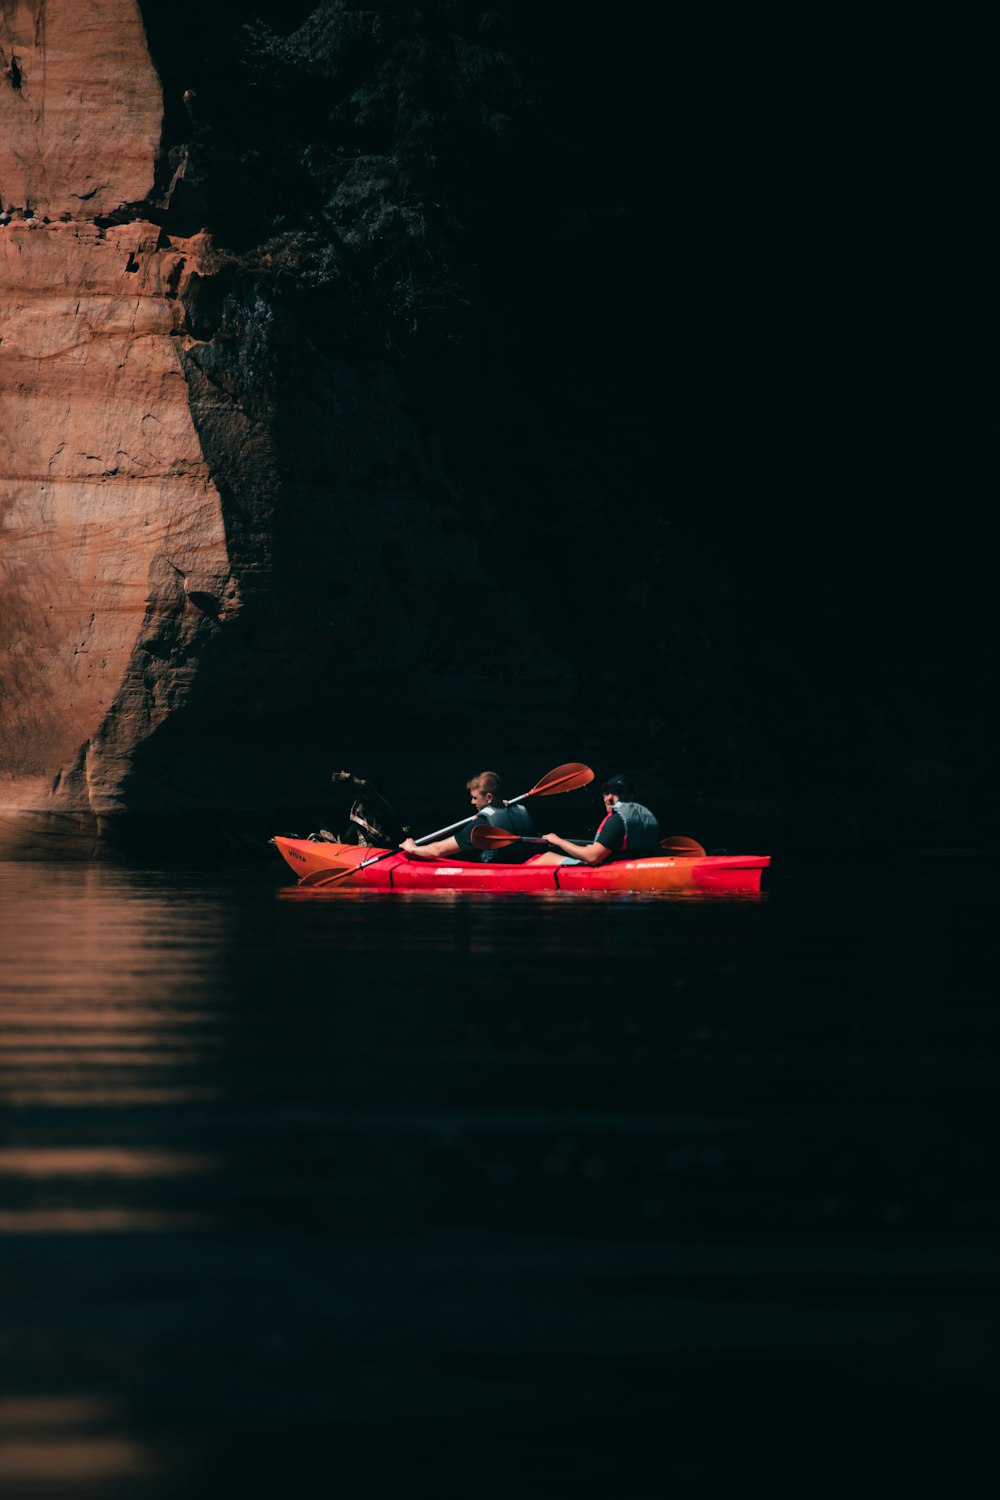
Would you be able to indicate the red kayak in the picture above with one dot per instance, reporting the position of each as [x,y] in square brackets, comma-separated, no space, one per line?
[738,874]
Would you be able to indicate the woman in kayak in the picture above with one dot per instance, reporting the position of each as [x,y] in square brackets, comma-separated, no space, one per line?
[490,809]
[628,830]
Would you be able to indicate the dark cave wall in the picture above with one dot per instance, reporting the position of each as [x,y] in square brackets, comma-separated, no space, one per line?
[379,588]
[653,385]
[446,498]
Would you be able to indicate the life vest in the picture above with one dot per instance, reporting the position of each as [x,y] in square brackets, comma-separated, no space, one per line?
[642,831]
[514,819]
[519,819]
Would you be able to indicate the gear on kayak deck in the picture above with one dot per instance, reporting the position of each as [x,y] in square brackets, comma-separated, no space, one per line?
[369,820]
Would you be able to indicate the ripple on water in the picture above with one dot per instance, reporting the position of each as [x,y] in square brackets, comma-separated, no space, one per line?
[383,1171]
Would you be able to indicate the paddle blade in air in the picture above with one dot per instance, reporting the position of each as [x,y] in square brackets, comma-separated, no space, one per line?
[563,779]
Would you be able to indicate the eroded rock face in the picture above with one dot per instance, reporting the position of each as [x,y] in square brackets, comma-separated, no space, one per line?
[112,532]
[80,106]
[110,520]
[228,559]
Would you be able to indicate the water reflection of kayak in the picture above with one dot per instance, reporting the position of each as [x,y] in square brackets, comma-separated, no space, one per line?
[735,873]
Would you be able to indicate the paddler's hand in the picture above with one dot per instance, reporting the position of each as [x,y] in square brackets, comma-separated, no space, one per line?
[553,839]
[409,847]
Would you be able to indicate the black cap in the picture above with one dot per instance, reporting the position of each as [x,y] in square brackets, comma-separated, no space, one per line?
[618,784]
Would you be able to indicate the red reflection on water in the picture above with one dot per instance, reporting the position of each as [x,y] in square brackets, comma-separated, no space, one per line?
[345,892]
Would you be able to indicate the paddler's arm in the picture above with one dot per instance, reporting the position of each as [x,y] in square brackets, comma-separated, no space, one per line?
[590,854]
[443,849]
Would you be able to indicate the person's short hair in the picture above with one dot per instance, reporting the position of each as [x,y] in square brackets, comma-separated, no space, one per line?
[486,781]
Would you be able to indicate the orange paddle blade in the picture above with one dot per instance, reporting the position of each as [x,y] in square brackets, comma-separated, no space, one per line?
[678,844]
[341,869]
[328,876]
[563,779]
[484,837]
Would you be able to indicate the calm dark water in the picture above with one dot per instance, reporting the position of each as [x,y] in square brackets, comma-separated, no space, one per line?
[472,1197]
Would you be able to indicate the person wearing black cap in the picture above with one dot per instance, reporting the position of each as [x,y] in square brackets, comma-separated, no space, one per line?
[628,830]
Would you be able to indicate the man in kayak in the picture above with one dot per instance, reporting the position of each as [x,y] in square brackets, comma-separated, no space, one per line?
[484,790]
[627,831]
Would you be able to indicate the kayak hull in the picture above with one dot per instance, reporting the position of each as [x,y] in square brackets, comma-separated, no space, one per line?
[737,874]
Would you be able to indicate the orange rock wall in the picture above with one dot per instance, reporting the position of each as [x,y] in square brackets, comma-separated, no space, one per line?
[80,106]
[109,520]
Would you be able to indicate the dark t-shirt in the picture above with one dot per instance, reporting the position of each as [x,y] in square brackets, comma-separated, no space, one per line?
[463,838]
[511,854]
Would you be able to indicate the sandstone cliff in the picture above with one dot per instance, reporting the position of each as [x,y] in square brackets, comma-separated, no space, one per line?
[80,109]
[187,617]
[112,527]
